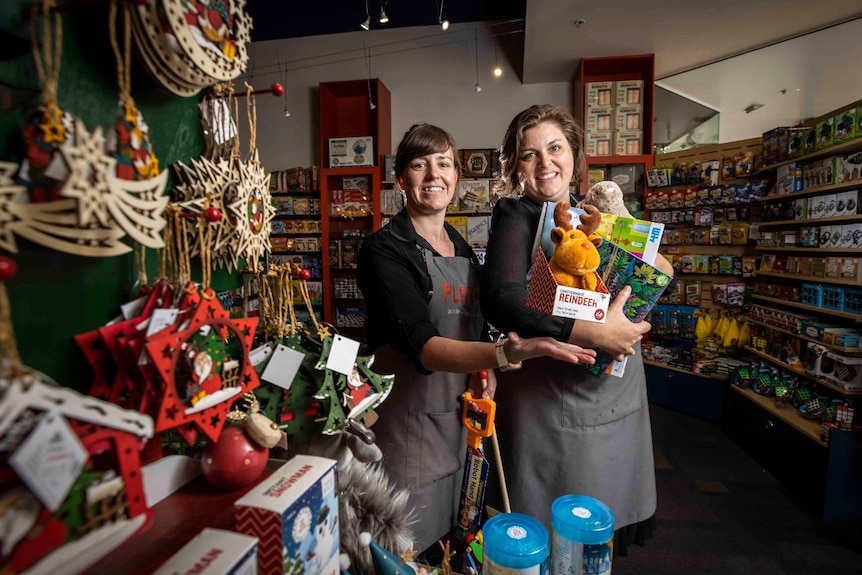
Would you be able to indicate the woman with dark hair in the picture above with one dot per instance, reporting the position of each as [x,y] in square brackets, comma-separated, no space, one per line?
[562,429]
[420,281]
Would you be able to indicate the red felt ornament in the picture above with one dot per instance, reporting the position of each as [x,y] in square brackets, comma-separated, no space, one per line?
[277,89]
[305,275]
[234,461]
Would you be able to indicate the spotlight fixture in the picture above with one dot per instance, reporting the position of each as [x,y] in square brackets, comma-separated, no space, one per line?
[383,17]
[498,71]
[371,105]
[478,87]
[443,22]
[366,24]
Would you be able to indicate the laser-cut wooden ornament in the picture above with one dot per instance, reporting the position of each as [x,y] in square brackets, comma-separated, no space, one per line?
[202,374]
[213,35]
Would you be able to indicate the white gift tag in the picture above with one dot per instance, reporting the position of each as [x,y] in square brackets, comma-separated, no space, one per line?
[283,366]
[160,319]
[260,354]
[50,460]
[342,356]
[618,367]
[133,308]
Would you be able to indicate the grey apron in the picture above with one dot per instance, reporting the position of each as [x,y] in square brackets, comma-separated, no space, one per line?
[563,430]
[420,430]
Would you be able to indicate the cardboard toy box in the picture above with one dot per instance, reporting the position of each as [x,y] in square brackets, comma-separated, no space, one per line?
[351,152]
[294,514]
[843,370]
[549,297]
[214,552]
[600,93]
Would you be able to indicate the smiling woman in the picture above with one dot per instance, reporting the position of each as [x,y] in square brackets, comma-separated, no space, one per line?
[420,281]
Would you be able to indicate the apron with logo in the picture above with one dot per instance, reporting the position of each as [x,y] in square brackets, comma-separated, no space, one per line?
[419,429]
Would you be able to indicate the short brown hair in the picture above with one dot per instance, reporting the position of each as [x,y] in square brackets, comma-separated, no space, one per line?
[508,183]
[423,139]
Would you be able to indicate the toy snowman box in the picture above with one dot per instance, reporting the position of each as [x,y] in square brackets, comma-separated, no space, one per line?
[214,552]
[294,514]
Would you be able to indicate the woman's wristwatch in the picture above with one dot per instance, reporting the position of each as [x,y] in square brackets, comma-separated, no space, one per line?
[502,361]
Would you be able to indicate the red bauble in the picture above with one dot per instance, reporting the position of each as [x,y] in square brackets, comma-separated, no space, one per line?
[277,89]
[304,275]
[234,461]
[212,214]
[8,268]
[483,374]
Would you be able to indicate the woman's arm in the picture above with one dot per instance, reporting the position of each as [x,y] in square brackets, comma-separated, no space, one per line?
[507,262]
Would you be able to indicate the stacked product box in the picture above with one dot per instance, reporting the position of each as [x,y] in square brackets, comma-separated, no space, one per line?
[613,118]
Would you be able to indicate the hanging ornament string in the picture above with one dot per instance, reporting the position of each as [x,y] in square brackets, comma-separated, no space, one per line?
[141,264]
[123,58]
[251,110]
[206,233]
[10,361]
[47,57]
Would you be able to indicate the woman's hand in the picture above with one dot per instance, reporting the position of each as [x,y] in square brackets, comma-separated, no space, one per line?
[479,387]
[520,349]
[617,336]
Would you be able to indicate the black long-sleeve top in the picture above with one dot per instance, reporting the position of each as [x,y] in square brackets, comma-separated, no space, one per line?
[394,280]
[507,262]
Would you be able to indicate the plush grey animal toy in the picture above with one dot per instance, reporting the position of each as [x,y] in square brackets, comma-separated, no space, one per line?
[607,197]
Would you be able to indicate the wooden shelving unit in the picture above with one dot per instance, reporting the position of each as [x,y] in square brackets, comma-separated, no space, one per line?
[345,112]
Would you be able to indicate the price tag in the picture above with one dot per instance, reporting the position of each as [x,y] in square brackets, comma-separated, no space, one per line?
[342,355]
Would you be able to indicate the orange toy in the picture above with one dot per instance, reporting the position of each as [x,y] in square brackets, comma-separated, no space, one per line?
[576,258]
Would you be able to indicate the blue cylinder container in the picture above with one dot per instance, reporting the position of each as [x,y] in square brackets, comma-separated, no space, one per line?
[581,538]
[514,544]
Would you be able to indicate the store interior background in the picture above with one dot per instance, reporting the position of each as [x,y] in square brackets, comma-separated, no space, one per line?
[710,57]
[703,51]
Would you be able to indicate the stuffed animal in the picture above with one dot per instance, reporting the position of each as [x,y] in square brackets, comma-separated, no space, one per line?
[607,197]
[576,258]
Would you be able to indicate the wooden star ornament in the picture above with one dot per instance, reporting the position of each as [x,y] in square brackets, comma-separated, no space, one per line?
[205,368]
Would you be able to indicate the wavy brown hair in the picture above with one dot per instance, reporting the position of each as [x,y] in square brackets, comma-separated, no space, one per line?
[423,139]
[508,184]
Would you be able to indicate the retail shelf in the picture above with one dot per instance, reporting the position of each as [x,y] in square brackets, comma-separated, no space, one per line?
[824,310]
[848,350]
[786,414]
[801,372]
[686,371]
[813,191]
[812,221]
[846,147]
[842,251]
[819,279]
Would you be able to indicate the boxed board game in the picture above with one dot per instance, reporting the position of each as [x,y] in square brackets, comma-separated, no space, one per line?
[214,552]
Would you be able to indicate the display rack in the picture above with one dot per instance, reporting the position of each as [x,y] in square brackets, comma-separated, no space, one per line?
[350,109]
[821,464]
[616,69]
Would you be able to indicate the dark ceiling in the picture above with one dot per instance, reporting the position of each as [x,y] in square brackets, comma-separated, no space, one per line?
[277,19]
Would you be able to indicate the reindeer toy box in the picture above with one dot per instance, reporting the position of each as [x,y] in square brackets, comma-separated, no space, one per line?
[564,281]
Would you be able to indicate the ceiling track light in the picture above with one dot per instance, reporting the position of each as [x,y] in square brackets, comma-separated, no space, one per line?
[443,22]
[384,19]
[366,24]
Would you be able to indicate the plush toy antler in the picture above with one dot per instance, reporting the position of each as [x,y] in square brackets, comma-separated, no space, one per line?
[575,258]
[590,221]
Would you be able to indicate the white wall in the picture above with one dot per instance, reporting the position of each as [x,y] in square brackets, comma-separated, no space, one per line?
[430,74]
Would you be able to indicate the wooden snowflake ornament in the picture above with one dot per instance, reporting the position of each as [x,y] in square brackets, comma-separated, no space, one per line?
[251,208]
